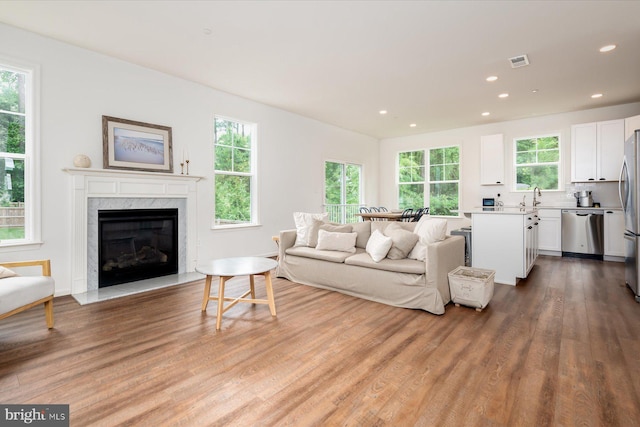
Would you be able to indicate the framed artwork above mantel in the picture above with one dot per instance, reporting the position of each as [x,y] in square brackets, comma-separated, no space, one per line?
[127,144]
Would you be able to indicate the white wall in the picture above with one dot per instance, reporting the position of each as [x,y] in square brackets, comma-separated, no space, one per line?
[79,86]
[468,139]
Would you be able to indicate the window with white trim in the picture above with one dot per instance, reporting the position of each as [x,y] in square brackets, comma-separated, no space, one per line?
[537,163]
[440,186]
[235,173]
[17,150]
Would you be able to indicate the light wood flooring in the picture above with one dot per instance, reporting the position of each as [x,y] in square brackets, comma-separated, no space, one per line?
[562,348]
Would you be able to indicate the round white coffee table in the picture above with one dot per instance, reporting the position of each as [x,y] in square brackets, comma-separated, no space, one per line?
[228,268]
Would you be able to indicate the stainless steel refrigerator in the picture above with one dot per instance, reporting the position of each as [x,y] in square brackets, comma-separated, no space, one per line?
[629,190]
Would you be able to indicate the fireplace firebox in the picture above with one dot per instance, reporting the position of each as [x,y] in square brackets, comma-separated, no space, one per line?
[136,244]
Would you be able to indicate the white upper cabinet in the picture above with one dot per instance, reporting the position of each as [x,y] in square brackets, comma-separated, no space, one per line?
[630,125]
[492,160]
[597,150]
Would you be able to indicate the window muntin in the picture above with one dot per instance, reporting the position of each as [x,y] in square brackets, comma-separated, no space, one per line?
[235,173]
[17,198]
[537,163]
[440,187]
[342,191]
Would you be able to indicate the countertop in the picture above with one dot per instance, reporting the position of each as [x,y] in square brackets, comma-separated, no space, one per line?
[504,210]
[515,210]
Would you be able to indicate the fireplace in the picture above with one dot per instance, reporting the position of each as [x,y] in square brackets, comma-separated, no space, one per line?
[136,244]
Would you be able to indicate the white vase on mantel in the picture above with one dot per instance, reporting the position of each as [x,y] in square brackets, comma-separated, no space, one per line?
[81,161]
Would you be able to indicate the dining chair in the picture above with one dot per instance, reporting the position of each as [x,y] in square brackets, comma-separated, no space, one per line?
[374,209]
[407,215]
[417,215]
[21,292]
[364,209]
[383,209]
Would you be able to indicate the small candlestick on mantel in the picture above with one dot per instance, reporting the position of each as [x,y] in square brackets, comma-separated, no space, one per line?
[187,161]
[181,168]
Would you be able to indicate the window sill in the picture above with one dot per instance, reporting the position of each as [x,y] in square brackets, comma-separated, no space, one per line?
[7,246]
[234,226]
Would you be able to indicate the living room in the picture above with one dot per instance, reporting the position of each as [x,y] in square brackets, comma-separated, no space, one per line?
[78,86]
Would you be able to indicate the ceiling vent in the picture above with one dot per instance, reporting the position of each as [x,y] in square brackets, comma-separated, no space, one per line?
[519,61]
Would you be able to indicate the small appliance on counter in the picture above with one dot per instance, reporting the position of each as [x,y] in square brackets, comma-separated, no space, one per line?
[583,199]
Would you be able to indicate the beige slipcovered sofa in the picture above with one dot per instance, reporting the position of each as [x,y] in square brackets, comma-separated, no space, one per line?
[406,282]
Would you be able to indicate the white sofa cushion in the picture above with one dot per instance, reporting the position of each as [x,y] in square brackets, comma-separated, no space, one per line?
[336,241]
[304,223]
[378,246]
[429,230]
[405,265]
[320,225]
[331,256]
[403,241]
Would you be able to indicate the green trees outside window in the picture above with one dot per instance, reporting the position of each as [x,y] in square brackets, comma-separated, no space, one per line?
[342,191]
[13,148]
[440,187]
[537,163]
[234,172]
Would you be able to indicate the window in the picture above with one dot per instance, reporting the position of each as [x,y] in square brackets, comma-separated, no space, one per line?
[235,173]
[411,180]
[537,163]
[342,191]
[443,180]
[17,146]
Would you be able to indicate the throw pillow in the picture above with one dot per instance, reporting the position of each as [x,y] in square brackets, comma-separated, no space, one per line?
[334,241]
[403,241]
[5,272]
[321,225]
[378,246]
[304,222]
[429,230]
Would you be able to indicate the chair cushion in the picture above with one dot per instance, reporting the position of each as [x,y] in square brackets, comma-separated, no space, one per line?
[5,272]
[18,291]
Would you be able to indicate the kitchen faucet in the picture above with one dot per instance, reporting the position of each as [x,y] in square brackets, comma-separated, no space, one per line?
[535,202]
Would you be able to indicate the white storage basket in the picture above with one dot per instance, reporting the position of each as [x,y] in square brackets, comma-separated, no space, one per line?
[472,287]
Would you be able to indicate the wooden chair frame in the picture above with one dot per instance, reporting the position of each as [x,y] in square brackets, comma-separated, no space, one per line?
[47,301]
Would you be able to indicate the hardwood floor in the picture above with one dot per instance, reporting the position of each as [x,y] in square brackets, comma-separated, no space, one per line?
[561,348]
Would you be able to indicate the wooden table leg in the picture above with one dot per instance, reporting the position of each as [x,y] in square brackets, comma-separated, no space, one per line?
[207,292]
[272,302]
[252,286]
[223,280]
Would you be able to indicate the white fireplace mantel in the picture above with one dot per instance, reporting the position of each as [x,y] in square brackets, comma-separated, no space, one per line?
[110,183]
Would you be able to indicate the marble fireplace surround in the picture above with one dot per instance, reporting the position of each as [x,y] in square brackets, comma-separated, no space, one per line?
[97,189]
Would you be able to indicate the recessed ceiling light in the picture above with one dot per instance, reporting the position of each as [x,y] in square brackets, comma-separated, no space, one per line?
[207,31]
[503,95]
[492,78]
[596,95]
[412,125]
[534,90]
[383,111]
[486,113]
[607,48]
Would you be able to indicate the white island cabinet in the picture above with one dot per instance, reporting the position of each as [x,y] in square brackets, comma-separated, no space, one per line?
[505,240]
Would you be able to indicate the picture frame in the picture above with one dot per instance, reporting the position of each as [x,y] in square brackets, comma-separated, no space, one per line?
[131,145]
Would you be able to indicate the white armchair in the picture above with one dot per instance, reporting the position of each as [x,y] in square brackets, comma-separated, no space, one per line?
[19,293]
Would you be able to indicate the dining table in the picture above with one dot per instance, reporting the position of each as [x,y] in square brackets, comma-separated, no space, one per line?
[381,216]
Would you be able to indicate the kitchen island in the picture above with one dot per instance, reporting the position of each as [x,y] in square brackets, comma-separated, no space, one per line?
[505,240]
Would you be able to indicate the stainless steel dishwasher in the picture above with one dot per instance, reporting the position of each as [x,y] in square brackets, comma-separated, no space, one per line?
[583,233]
